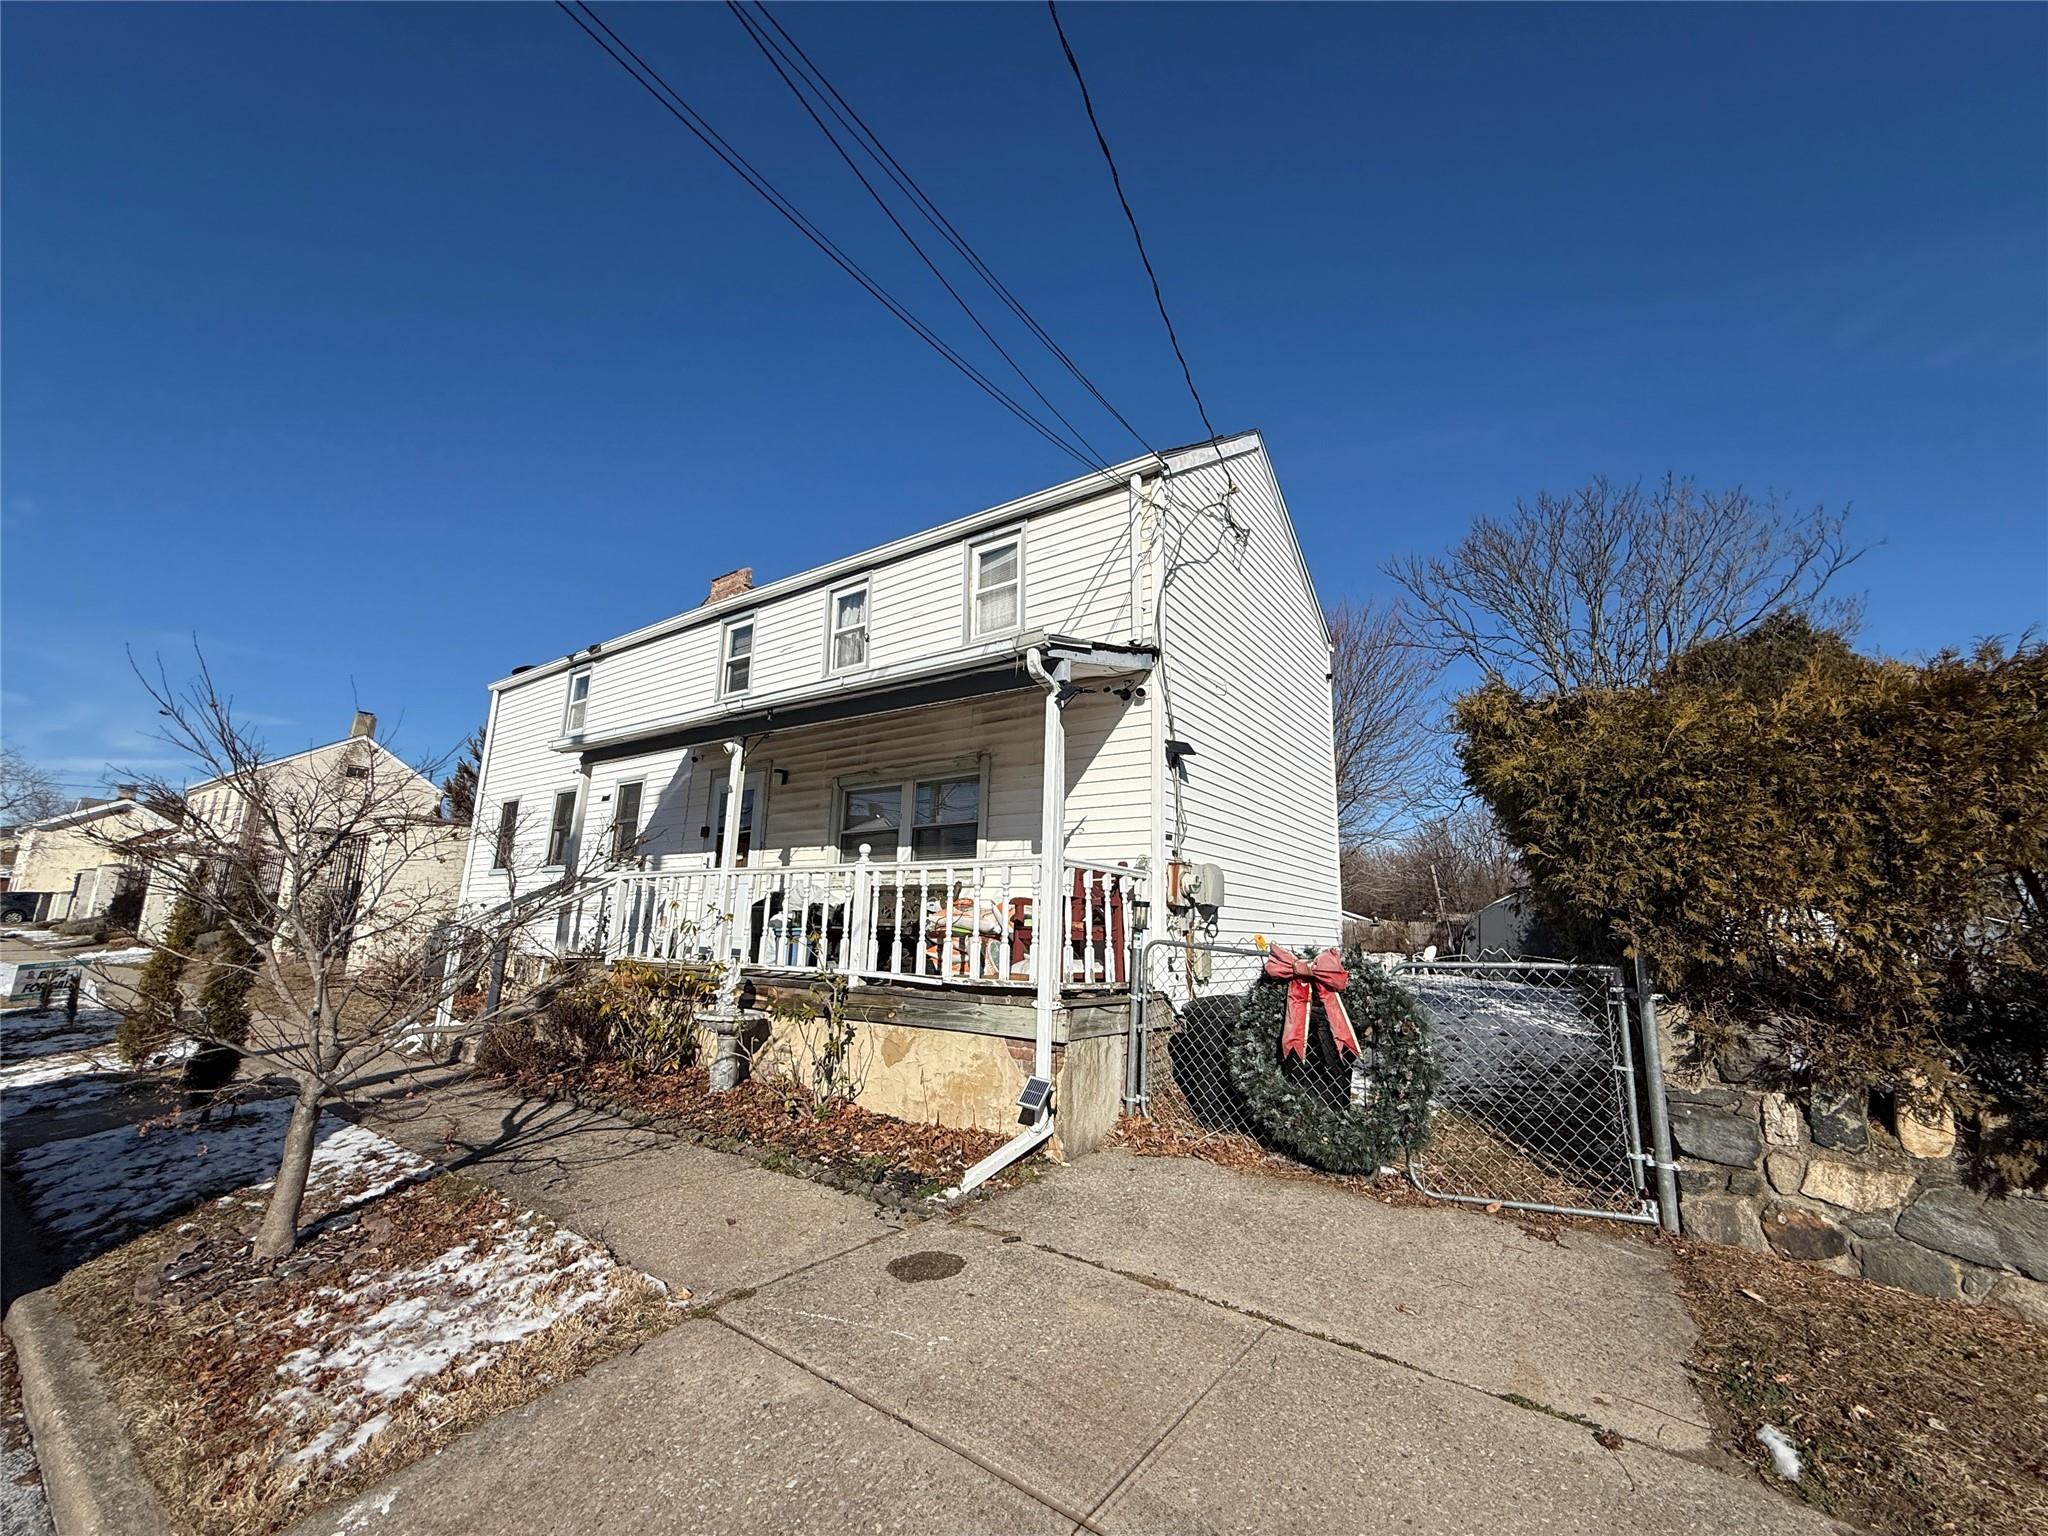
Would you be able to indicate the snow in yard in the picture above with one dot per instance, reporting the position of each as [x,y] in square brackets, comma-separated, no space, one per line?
[109,1185]
[24,1034]
[132,956]
[381,1339]
[39,937]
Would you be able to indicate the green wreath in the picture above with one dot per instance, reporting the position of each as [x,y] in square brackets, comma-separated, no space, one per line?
[1304,1107]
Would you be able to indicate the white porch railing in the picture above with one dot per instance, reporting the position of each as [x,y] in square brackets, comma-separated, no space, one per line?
[970,923]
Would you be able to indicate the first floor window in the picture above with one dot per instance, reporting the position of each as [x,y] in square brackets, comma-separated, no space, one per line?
[935,819]
[560,826]
[947,820]
[508,829]
[625,820]
[874,816]
[745,843]
[739,657]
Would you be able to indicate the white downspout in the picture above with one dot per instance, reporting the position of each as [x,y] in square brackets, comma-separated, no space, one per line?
[1048,933]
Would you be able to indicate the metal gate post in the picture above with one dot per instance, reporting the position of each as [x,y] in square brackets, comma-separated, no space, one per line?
[1134,1044]
[1653,1091]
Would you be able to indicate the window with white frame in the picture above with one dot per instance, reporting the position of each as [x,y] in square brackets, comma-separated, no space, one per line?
[508,830]
[625,820]
[934,817]
[850,628]
[738,666]
[996,586]
[561,827]
[579,703]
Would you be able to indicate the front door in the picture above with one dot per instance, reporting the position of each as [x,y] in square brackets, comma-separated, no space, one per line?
[753,798]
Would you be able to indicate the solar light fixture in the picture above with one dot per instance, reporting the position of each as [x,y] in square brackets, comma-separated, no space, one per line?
[1035,1096]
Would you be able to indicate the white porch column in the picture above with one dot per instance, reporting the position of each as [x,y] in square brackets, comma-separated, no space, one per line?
[724,1016]
[1050,937]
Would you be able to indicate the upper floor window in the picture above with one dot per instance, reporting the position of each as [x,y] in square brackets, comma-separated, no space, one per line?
[561,827]
[850,628]
[508,829]
[996,586]
[738,668]
[579,703]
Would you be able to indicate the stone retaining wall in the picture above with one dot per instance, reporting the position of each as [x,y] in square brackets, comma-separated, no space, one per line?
[1830,1180]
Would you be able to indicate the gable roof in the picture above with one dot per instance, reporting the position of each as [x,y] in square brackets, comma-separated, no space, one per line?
[290,757]
[93,812]
[1191,456]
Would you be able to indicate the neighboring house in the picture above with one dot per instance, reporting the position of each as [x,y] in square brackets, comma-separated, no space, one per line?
[74,865]
[401,869]
[882,723]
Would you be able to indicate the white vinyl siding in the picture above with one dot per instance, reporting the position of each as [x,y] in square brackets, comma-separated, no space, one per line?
[1248,665]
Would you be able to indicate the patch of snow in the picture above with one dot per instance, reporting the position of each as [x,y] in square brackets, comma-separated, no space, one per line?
[131,956]
[112,1183]
[99,1062]
[1784,1455]
[455,1314]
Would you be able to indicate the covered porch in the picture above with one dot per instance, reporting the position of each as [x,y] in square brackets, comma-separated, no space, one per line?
[983,828]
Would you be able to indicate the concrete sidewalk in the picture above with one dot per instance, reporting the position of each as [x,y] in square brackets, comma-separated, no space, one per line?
[1130,1345]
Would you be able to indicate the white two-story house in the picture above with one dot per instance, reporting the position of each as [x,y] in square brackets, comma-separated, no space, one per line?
[846,770]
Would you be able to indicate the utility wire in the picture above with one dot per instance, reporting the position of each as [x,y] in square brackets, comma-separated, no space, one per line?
[876,150]
[768,51]
[650,80]
[1088,102]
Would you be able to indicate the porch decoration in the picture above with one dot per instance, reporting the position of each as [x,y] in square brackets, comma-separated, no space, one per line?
[1351,1096]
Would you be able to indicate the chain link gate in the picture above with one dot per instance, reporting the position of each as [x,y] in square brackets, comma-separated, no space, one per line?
[1537,1107]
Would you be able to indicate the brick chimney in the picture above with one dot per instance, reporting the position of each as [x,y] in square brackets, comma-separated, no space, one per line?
[365,724]
[731,584]
[124,791]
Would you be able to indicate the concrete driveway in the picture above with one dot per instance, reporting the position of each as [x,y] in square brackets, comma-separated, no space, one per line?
[1129,1345]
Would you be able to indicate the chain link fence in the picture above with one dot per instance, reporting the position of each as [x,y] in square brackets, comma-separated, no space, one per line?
[1535,1105]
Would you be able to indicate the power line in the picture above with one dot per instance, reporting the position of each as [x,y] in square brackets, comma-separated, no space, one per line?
[1088,102]
[650,80]
[768,51]
[871,142]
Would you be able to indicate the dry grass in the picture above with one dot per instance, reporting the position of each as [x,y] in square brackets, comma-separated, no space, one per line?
[189,1334]
[1913,1416]
[908,1160]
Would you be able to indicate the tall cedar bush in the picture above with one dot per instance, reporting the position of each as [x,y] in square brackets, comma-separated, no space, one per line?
[1835,857]
[153,1017]
[223,1015]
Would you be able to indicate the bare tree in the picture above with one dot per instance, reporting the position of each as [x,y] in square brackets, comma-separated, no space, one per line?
[327,882]
[27,793]
[1380,692]
[1602,587]
[1444,866]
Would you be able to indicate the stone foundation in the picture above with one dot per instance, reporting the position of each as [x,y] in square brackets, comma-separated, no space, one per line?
[1834,1181]
[963,1062]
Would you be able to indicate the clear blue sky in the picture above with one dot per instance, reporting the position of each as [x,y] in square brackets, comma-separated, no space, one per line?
[389,348]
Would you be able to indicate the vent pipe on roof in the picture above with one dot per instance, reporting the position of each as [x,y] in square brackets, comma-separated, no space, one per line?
[365,724]
[124,791]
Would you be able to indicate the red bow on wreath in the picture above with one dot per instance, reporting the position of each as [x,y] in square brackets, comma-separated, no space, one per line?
[1325,977]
